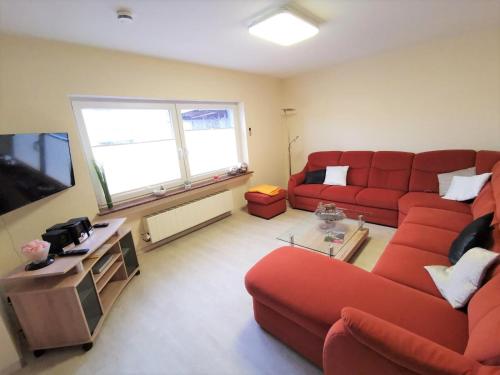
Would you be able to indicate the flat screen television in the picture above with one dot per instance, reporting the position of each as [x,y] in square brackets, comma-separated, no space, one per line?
[32,167]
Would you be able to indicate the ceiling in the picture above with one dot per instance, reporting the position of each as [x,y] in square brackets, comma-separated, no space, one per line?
[214,32]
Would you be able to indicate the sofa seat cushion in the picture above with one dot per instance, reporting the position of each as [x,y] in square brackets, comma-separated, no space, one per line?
[405,265]
[380,198]
[435,217]
[311,290]
[423,237]
[431,200]
[310,190]
[345,194]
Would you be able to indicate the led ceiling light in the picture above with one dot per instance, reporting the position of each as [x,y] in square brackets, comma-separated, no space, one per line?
[284,27]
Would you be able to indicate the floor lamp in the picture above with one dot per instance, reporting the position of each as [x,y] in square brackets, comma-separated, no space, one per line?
[291,141]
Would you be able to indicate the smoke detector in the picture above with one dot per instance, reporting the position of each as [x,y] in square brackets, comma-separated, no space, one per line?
[124,16]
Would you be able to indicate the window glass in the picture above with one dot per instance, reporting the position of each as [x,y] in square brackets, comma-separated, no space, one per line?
[210,139]
[136,147]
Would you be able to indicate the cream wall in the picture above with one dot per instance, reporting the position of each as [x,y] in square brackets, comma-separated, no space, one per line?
[38,76]
[440,94]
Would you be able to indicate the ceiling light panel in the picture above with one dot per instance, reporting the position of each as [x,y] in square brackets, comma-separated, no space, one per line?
[284,28]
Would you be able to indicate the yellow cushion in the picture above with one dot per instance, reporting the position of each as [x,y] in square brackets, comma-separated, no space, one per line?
[270,190]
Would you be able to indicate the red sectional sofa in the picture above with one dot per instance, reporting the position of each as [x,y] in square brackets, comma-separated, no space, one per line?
[384,185]
[391,320]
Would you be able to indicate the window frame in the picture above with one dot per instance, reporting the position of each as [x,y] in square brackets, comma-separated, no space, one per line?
[174,109]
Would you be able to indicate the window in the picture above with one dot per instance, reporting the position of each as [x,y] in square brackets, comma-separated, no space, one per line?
[144,145]
[210,135]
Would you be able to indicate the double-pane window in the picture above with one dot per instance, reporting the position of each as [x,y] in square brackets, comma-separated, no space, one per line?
[144,145]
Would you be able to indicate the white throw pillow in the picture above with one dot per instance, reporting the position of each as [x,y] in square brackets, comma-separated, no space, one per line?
[458,283]
[336,175]
[445,178]
[465,188]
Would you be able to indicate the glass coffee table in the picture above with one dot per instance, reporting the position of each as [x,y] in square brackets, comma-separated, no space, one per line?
[339,239]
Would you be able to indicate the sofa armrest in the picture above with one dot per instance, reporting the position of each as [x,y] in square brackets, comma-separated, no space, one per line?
[294,181]
[393,347]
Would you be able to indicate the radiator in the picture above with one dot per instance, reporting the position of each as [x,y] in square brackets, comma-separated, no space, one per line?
[167,223]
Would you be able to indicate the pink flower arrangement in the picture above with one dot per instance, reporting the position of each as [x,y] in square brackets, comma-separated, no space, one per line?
[36,250]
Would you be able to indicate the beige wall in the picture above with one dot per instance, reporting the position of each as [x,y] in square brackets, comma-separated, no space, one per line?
[37,77]
[440,94]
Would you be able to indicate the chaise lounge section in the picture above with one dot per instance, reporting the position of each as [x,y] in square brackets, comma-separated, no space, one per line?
[392,320]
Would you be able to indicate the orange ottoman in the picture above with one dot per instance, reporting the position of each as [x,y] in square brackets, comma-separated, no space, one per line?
[266,206]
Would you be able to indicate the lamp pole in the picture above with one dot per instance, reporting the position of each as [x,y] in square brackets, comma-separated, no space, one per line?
[290,140]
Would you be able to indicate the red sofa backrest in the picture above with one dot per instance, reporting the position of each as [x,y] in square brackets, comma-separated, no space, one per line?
[391,170]
[322,159]
[427,165]
[484,307]
[485,160]
[359,163]
[484,203]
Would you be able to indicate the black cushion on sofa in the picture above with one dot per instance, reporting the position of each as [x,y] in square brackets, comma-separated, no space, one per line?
[315,177]
[476,234]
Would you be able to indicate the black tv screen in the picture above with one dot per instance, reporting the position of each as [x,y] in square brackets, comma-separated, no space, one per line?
[33,166]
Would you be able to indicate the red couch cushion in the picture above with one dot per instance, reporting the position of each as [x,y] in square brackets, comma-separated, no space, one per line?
[484,324]
[310,190]
[400,346]
[427,165]
[405,265]
[322,159]
[345,194]
[381,198]
[485,160]
[311,290]
[484,203]
[495,186]
[359,166]
[435,217]
[435,240]
[432,200]
[390,170]
[342,353]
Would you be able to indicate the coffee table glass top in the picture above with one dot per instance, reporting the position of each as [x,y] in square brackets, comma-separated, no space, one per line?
[329,238]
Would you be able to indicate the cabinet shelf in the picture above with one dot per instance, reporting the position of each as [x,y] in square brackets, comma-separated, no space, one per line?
[108,275]
[110,293]
[99,276]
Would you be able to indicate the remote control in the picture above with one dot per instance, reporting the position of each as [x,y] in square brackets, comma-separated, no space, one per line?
[74,252]
[101,225]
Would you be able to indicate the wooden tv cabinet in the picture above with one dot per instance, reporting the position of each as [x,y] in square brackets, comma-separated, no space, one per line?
[65,304]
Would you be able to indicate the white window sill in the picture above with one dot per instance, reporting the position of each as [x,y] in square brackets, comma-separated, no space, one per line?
[177,192]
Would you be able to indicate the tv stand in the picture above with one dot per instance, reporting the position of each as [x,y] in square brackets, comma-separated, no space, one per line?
[65,304]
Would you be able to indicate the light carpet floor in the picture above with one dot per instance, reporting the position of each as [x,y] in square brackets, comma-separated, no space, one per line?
[189,313]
